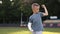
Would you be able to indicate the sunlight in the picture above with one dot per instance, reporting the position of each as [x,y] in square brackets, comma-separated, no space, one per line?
[11,0]
[0,2]
[46,32]
[27,32]
[21,32]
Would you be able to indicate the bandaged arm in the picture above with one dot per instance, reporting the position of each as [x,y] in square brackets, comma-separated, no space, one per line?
[29,26]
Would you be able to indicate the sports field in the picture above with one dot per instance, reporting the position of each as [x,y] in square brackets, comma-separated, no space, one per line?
[18,30]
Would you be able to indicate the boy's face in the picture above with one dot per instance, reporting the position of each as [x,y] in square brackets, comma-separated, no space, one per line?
[36,8]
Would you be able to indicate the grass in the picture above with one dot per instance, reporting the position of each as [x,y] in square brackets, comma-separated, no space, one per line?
[19,30]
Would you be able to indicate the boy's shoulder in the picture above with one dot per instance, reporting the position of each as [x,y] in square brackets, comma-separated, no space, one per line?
[31,16]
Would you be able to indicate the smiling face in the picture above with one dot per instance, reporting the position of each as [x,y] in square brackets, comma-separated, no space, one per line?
[35,7]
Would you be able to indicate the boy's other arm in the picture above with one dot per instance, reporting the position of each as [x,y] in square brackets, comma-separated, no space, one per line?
[29,27]
[46,11]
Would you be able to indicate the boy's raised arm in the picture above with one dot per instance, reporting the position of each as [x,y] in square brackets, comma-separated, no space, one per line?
[46,11]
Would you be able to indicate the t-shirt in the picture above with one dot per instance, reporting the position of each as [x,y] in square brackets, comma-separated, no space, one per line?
[36,20]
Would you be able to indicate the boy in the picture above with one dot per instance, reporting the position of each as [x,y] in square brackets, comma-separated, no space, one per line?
[35,21]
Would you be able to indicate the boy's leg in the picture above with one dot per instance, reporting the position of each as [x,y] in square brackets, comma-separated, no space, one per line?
[33,32]
[39,32]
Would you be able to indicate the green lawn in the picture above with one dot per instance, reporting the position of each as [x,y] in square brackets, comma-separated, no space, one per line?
[18,30]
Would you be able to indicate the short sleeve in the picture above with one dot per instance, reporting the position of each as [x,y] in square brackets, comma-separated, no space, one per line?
[41,14]
[30,19]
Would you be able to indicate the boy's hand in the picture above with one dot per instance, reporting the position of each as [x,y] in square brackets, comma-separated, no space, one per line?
[43,6]
[31,30]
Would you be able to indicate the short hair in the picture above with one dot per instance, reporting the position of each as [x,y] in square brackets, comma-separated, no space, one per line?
[35,4]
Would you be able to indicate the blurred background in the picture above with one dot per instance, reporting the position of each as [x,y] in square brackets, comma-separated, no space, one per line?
[15,13]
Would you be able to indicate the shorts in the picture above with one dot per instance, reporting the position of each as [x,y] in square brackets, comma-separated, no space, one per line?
[37,32]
